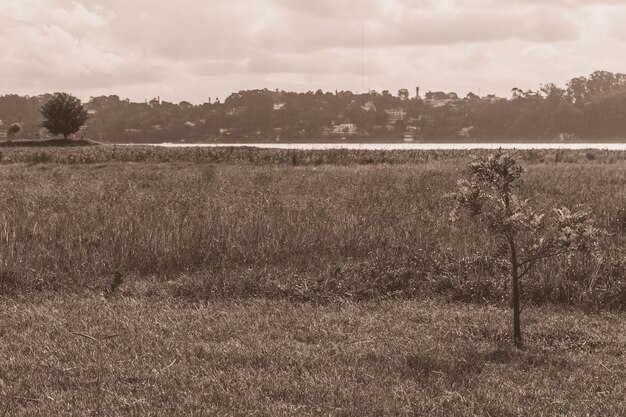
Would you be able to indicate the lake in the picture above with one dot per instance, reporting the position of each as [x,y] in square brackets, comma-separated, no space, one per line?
[413,146]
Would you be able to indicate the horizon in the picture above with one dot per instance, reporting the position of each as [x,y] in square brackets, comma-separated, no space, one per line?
[412,93]
[205,49]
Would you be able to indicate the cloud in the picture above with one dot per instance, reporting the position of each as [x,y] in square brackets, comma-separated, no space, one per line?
[472,27]
[325,62]
[614,26]
[328,62]
[192,30]
[333,9]
[423,29]
[195,48]
[54,45]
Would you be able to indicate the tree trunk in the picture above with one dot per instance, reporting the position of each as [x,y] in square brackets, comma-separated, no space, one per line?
[510,236]
[517,329]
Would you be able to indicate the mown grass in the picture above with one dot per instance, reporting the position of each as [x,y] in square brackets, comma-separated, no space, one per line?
[278,358]
[305,232]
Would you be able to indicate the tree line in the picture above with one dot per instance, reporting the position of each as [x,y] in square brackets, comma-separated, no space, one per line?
[591,108]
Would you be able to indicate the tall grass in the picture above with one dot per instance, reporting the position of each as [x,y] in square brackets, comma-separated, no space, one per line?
[277,230]
[255,156]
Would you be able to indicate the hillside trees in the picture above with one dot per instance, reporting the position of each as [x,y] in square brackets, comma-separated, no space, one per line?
[590,108]
[13,130]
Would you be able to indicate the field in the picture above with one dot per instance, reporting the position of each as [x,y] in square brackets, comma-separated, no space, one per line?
[296,283]
[278,358]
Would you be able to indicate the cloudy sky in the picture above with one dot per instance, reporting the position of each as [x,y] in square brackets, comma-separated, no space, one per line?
[195,49]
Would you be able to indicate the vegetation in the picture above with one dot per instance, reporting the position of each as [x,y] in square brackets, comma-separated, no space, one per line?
[294,157]
[63,114]
[276,358]
[244,282]
[235,230]
[13,130]
[589,108]
[490,196]
[47,143]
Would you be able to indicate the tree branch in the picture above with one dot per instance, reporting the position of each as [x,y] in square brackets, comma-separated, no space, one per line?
[544,256]
[527,301]
[526,270]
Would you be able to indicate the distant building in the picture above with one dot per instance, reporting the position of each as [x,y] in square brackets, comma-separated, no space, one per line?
[341,129]
[4,133]
[466,132]
[411,132]
[133,131]
[345,129]
[277,132]
[440,99]
[190,124]
[393,116]
[369,106]
[235,111]
[566,137]
[279,105]
[492,98]
[326,131]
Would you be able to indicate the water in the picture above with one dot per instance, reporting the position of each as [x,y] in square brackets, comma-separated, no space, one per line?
[399,146]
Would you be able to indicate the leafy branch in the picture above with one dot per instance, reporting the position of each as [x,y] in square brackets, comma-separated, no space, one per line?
[489,196]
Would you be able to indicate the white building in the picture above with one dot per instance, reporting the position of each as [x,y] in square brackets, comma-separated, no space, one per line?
[345,129]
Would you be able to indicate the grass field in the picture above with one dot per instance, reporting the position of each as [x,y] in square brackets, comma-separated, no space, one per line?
[278,358]
[295,283]
[305,232]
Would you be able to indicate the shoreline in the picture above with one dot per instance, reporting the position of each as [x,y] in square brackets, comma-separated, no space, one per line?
[42,143]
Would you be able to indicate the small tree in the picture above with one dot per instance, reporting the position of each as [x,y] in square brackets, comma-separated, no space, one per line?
[489,196]
[13,131]
[64,114]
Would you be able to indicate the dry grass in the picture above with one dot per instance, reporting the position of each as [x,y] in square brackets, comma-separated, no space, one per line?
[275,358]
[176,288]
[304,232]
[255,156]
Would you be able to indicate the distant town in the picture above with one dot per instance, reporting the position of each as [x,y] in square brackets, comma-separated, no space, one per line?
[589,108]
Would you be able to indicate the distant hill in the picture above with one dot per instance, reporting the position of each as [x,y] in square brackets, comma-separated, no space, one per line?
[589,109]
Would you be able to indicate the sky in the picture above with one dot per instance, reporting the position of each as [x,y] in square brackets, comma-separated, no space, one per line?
[195,49]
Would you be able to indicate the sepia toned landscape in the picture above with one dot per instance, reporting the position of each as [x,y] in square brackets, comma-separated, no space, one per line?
[313,208]
[278,282]
[588,109]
